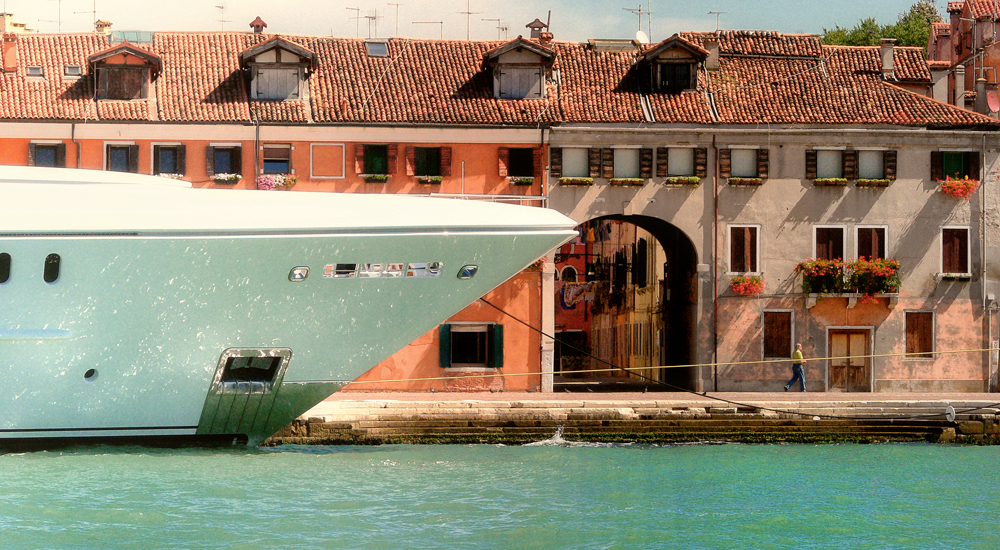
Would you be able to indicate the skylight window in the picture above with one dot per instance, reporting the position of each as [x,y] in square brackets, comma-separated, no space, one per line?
[34,70]
[72,70]
[378,48]
[133,37]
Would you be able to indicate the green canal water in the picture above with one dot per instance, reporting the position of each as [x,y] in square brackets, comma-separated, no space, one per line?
[550,495]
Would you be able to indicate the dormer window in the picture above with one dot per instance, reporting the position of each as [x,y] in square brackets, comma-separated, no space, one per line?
[519,69]
[674,78]
[673,65]
[278,69]
[125,72]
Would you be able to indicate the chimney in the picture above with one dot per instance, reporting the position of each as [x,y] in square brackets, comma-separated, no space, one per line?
[888,63]
[536,27]
[981,104]
[545,37]
[5,21]
[102,27]
[939,81]
[960,86]
[258,25]
[712,45]
[9,52]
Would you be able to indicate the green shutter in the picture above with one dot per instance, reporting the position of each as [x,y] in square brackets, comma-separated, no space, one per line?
[496,346]
[444,335]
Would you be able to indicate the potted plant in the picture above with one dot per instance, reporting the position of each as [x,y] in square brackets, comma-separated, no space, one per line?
[962,188]
[626,181]
[874,276]
[873,182]
[576,181]
[429,179]
[171,176]
[747,285]
[375,178]
[830,181]
[225,179]
[821,276]
[276,181]
[521,180]
[682,180]
[745,181]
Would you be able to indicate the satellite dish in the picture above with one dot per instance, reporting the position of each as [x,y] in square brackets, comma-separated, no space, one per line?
[641,38]
[993,101]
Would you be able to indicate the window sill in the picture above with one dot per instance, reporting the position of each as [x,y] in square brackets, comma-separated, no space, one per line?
[852,298]
[955,276]
[469,369]
[627,181]
[745,181]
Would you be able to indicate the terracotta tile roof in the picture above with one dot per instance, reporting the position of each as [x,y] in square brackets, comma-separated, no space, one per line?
[940,29]
[979,8]
[201,79]
[760,43]
[51,97]
[955,6]
[938,64]
[279,111]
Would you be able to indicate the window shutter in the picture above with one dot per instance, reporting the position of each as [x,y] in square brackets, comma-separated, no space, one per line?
[446,161]
[504,155]
[181,159]
[725,163]
[972,161]
[737,250]
[662,158]
[393,150]
[811,164]
[210,160]
[777,333]
[411,160]
[955,251]
[133,158]
[236,160]
[645,163]
[889,164]
[594,163]
[762,163]
[359,158]
[701,162]
[937,165]
[156,159]
[496,346]
[538,160]
[849,165]
[61,155]
[31,154]
[555,162]
[607,163]
[444,336]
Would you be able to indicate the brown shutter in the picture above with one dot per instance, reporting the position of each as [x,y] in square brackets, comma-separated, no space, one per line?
[954,250]
[538,162]
[725,163]
[701,162]
[607,163]
[133,159]
[411,160]
[446,161]
[937,165]
[181,159]
[750,246]
[594,163]
[156,159]
[972,161]
[889,164]
[645,163]
[555,162]
[31,154]
[865,242]
[393,150]
[359,158]
[236,160]
[737,252]
[210,161]
[919,333]
[504,167]
[777,333]
[662,159]
[762,163]
[849,165]
[811,164]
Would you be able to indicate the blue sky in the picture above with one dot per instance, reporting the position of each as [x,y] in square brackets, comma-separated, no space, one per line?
[571,20]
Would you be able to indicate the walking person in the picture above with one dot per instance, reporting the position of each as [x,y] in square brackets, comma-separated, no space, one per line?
[798,373]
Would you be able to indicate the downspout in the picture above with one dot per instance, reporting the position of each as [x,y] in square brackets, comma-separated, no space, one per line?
[256,144]
[715,272]
[547,344]
[72,137]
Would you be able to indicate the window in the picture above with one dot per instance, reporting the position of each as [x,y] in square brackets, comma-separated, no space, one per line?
[954,164]
[955,251]
[674,77]
[744,163]
[627,163]
[521,83]
[680,162]
[50,273]
[276,83]
[74,71]
[871,165]
[224,159]
[829,243]
[568,274]
[871,242]
[377,48]
[777,334]
[47,154]
[575,163]
[744,243]
[376,159]
[919,334]
[829,164]
[122,158]
[471,345]
[277,159]
[122,82]
[521,162]
[427,161]
[169,159]
[34,71]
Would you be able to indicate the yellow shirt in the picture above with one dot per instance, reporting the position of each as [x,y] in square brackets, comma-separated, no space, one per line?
[797,356]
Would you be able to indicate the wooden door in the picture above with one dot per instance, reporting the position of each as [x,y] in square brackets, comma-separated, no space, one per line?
[848,362]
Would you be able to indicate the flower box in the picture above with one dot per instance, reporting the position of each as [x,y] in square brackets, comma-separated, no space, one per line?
[171,176]
[627,181]
[830,181]
[880,182]
[514,180]
[963,188]
[225,179]
[745,181]
[576,181]
[876,276]
[429,179]
[682,180]
[268,182]
[821,276]
[747,285]
[375,178]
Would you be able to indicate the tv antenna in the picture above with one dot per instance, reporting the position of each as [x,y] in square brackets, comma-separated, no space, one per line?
[638,11]
[357,21]
[500,28]
[93,11]
[373,18]
[57,21]
[717,15]
[468,13]
[440,25]
[397,16]
[222,15]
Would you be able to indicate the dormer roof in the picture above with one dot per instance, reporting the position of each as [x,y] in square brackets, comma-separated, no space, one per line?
[675,42]
[276,42]
[126,49]
[548,55]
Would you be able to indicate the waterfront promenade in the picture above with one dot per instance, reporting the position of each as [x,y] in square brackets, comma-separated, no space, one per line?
[653,417]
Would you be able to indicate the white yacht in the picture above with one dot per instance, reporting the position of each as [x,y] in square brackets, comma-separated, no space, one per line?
[139,309]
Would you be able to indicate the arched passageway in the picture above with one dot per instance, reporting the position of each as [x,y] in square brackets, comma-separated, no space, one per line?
[633,304]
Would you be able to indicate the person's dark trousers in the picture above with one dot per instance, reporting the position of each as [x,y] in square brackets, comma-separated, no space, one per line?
[799,374]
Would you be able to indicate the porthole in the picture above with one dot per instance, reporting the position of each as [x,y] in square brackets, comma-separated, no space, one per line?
[4,267]
[90,375]
[51,272]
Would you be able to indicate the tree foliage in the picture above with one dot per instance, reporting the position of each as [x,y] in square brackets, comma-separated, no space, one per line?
[912,29]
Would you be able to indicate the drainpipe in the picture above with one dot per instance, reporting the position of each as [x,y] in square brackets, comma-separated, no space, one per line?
[715,273]
[72,137]
[548,290]
[256,145]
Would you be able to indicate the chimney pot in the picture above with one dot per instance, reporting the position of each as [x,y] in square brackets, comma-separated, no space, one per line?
[258,25]
[712,45]
[545,37]
[888,63]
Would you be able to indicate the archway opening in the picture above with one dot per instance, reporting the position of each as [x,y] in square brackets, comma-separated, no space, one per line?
[633,305]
